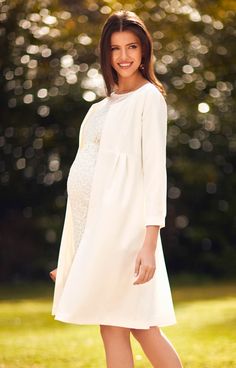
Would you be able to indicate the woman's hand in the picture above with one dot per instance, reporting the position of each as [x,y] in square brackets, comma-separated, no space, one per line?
[53,274]
[145,265]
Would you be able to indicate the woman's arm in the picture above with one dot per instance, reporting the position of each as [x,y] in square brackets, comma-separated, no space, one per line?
[150,241]
[154,131]
[154,134]
[145,265]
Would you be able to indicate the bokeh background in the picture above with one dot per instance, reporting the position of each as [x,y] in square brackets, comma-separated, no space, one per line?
[49,77]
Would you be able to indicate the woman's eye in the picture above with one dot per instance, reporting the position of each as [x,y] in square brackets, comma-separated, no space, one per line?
[132,46]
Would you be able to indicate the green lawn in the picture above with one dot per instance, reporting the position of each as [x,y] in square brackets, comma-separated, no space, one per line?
[205,335]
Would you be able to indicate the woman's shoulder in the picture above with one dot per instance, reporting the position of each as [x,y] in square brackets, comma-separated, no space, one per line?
[153,92]
[154,101]
[98,104]
[93,107]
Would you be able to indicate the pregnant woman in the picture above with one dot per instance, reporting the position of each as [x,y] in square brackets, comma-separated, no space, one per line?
[111,268]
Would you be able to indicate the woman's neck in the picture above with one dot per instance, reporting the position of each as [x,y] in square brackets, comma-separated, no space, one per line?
[128,85]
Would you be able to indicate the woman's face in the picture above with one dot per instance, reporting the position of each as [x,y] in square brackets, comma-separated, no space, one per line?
[126,53]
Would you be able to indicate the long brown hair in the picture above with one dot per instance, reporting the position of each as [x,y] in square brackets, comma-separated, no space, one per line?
[119,21]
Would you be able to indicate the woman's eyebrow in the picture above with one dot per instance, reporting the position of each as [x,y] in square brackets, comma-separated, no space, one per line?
[131,43]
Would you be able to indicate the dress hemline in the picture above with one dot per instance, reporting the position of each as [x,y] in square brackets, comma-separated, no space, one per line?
[131,324]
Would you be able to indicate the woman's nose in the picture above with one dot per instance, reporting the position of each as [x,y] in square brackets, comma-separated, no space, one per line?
[123,54]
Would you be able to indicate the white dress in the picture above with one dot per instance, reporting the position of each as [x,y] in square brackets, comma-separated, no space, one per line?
[119,306]
[80,176]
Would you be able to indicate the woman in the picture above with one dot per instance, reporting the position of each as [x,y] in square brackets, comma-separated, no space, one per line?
[111,269]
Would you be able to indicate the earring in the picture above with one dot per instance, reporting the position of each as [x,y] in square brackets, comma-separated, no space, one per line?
[141,66]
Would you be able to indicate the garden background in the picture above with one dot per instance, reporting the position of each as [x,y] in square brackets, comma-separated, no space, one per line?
[49,76]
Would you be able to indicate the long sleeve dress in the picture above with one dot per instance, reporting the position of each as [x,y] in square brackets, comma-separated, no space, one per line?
[95,276]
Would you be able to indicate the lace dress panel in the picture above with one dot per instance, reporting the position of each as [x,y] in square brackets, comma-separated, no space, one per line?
[80,176]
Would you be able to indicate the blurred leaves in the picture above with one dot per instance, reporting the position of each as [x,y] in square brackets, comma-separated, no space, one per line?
[50,74]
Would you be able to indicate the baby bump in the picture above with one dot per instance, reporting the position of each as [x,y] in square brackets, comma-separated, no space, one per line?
[81,175]
[79,184]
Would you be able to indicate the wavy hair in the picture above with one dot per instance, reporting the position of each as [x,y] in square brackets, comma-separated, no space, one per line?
[124,20]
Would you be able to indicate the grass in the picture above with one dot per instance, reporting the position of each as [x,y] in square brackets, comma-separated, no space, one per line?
[205,335]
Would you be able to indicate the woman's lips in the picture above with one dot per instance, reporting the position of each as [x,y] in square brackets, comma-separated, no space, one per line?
[125,65]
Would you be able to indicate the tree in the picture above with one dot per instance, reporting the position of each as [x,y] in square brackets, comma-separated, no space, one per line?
[50,74]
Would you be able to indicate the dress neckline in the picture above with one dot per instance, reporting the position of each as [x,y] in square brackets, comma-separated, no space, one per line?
[127,93]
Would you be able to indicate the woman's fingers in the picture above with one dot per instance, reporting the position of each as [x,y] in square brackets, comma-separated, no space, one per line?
[137,266]
[146,274]
[141,276]
[151,274]
[53,274]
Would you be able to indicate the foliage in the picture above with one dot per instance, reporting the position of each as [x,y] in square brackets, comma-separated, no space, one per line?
[50,75]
